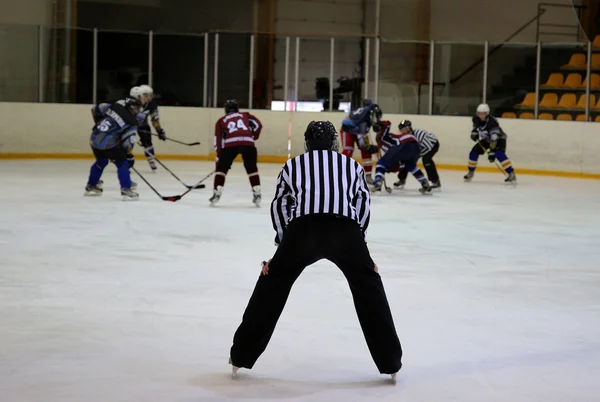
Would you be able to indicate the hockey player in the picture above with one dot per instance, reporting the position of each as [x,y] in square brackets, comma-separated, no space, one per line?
[489,137]
[145,94]
[402,149]
[355,130]
[112,139]
[235,133]
[429,146]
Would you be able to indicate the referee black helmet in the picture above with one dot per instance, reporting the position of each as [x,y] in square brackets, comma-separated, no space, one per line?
[320,135]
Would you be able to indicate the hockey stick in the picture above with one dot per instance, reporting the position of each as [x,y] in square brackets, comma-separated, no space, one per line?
[177,178]
[172,198]
[190,144]
[495,160]
[387,189]
[195,185]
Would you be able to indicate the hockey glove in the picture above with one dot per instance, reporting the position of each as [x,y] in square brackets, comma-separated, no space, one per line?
[161,134]
[475,135]
[491,156]
[131,160]
[372,149]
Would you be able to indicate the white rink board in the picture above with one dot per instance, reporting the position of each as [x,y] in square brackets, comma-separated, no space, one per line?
[494,292]
[56,129]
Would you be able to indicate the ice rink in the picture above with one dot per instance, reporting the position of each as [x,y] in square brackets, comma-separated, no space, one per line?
[495,292]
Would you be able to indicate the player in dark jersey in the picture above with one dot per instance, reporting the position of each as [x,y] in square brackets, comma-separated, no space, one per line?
[355,130]
[112,139]
[489,137]
[402,149]
[235,134]
[145,94]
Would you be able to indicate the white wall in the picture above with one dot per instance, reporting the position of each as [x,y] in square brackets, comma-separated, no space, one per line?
[534,145]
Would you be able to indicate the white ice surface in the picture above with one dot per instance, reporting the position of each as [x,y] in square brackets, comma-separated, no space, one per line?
[495,293]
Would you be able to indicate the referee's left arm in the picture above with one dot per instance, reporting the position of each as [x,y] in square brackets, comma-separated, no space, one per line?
[361,200]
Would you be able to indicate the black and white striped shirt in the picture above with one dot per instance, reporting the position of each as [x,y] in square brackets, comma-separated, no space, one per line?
[320,182]
[426,140]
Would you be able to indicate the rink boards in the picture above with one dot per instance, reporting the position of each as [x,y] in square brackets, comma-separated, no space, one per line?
[558,148]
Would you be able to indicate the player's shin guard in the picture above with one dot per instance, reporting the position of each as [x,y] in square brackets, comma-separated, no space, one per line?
[219,180]
[96,171]
[149,152]
[505,162]
[380,170]
[418,174]
[473,157]
[254,179]
[123,173]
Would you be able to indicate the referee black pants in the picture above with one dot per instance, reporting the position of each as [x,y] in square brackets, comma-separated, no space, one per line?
[306,241]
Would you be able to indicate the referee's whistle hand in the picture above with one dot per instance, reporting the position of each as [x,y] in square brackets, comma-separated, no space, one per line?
[265,268]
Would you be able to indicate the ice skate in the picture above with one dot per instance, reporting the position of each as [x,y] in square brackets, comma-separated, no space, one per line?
[369,179]
[216,195]
[394,378]
[436,186]
[511,179]
[133,185]
[400,184]
[234,370]
[92,191]
[128,194]
[256,196]
[100,183]
[152,165]
[425,189]
[376,188]
[469,176]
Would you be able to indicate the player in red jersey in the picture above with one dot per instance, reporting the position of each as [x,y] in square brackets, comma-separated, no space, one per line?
[235,134]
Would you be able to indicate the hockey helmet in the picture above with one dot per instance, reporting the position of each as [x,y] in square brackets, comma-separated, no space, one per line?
[320,135]
[483,108]
[231,106]
[367,102]
[132,104]
[405,124]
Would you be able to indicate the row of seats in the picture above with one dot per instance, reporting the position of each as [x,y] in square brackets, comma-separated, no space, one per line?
[551,100]
[547,116]
[573,81]
[579,61]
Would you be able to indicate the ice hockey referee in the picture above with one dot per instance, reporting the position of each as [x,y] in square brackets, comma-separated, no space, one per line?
[320,211]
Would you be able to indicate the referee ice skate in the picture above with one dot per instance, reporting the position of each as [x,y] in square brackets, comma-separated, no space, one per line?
[320,211]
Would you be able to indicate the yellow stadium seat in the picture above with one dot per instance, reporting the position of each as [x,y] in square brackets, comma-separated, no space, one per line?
[567,101]
[577,61]
[549,100]
[555,80]
[581,117]
[596,42]
[581,104]
[596,60]
[509,115]
[594,83]
[564,116]
[545,116]
[597,119]
[526,115]
[573,81]
[529,100]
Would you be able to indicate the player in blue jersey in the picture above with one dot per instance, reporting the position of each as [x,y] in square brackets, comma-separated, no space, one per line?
[112,139]
[145,94]
[489,137]
[355,130]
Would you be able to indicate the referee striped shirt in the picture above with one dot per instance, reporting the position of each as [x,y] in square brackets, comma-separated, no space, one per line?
[320,182]
[426,140]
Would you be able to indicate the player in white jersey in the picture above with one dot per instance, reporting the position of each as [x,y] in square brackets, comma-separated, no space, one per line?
[429,146]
